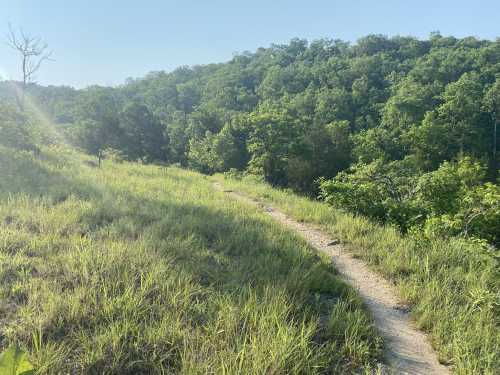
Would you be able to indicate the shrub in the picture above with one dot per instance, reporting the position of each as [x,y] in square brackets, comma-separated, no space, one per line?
[450,201]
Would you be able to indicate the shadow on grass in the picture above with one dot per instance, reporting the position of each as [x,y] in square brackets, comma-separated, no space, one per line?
[229,250]
[219,248]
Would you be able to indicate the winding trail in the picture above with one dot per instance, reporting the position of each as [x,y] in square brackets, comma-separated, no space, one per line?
[408,350]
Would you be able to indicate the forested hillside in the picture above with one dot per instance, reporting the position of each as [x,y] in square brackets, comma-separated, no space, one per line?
[398,134]
[399,129]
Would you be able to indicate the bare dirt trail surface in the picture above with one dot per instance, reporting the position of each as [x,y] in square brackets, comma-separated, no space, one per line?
[408,350]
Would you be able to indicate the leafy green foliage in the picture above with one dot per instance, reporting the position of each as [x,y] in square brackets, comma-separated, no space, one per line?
[14,130]
[14,361]
[451,200]
[300,111]
[383,191]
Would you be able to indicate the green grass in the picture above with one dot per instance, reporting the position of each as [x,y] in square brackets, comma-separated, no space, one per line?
[135,269]
[451,285]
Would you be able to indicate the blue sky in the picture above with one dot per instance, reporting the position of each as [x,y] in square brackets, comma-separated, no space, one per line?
[106,41]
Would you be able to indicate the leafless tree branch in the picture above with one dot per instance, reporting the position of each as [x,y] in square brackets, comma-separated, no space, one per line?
[34,52]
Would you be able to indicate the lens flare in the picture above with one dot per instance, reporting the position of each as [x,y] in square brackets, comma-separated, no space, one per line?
[37,115]
[3,74]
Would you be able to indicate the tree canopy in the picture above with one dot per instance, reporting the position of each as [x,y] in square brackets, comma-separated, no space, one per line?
[304,111]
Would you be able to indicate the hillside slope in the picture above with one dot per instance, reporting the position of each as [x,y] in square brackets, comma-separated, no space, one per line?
[450,285]
[138,269]
[407,350]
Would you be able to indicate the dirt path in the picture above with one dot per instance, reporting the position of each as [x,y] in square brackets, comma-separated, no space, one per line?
[408,350]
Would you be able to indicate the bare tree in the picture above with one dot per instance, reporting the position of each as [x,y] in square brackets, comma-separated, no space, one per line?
[33,53]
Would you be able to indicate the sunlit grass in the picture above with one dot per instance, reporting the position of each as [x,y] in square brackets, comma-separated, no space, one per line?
[138,269]
[452,285]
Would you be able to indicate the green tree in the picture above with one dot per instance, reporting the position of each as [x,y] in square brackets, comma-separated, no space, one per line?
[176,126]
[142,134]
[97,121]
[492,104]
[456,127]
[273,137]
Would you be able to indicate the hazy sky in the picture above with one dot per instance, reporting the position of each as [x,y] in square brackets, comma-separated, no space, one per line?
[106,41]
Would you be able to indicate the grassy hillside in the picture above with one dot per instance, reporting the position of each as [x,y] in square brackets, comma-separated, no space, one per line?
[139,269]
[451,285]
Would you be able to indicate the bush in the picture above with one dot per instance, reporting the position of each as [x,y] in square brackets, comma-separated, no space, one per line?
[450,201]
[234,174]
[379,190]
[114,155]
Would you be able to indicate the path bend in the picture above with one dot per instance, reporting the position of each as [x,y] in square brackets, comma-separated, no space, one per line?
[408,350]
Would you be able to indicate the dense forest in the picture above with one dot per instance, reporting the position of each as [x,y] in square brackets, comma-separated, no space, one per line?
[398,129]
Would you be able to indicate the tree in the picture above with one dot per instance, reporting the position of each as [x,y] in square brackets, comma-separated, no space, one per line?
[33,53]
[492,104]
[93,137]
[178,145]
[462,111]
[97,119]
[456,127]
[273,138]
[220,152]
[142,135]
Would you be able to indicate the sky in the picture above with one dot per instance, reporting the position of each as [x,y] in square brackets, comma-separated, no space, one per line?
[105,42]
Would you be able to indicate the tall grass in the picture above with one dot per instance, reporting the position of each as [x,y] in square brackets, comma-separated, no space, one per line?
[135,269]
[452,285]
